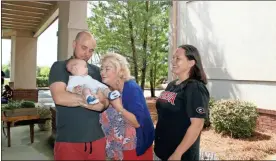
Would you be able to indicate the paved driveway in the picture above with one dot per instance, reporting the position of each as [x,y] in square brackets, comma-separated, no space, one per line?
[44,96]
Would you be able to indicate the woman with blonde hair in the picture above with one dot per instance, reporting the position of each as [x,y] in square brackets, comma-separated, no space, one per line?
[127,124]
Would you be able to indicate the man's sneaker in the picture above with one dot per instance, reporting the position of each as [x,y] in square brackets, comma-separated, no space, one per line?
[113,95]
[91,100]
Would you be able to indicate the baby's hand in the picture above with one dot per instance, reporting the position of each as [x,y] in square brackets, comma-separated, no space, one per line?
[86,91]
[78,89]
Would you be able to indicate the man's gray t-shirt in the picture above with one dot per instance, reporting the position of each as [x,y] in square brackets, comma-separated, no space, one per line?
[75,124]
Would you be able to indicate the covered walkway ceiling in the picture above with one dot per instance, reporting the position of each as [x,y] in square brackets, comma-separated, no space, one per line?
[34,16]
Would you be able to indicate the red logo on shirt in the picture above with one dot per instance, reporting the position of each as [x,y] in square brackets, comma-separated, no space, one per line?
[168,96]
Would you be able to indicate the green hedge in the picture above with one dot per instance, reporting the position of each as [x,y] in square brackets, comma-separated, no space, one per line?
[16,104]
[234,117]
[42,81]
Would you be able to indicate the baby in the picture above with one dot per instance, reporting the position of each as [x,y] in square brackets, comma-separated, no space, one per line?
[78,69]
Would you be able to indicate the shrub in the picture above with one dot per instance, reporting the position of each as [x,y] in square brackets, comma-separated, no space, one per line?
[44,113]
[234,117]
[207,122]
[27,104]
[11,105]
[42,82]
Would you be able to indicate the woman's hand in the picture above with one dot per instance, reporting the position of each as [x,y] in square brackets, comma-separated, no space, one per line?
[95,107]
[175,156]
[102,98]
[130,117]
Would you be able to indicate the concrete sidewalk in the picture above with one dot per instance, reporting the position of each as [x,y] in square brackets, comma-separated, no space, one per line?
[21,147]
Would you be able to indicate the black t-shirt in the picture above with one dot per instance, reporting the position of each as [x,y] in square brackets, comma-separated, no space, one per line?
[75,124]
[175,106]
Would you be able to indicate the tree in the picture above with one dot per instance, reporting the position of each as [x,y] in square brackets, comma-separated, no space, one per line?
[6,70]
[158,40]
[37,71]
[126,27]
[44,72]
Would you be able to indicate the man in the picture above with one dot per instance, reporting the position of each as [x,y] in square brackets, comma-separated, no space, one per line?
[79,135]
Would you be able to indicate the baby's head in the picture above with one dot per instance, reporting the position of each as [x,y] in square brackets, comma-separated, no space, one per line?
[77,67]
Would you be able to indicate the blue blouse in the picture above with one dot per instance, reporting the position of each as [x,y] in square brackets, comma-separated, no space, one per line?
[134,101]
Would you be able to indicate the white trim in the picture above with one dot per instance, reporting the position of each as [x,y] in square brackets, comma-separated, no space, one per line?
[48,22]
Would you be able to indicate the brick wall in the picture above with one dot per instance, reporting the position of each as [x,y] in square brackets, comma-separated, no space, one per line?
[266,120]
[25,94]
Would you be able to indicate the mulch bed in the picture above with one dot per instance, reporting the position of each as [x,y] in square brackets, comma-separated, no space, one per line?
[258,147]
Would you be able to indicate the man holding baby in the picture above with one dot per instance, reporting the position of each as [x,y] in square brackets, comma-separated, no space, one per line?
[79,135]
[127,131]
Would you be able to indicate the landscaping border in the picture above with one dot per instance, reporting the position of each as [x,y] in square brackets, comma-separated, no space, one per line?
[266,120]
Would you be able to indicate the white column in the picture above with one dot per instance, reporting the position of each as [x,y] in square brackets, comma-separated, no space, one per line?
[173,37]
[23,62]
[72,19]
[13,42]
[182,23]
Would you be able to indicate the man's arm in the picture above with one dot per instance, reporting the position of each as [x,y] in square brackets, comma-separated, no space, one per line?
[58,81]
[63,97]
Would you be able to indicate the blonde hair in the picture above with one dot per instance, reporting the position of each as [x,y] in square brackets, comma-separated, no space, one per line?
[120,63]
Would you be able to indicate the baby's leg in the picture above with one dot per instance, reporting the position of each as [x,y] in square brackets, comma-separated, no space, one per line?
[89,96]
[111,95]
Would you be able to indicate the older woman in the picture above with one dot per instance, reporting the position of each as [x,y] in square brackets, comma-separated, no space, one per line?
[127,124]
[181,108]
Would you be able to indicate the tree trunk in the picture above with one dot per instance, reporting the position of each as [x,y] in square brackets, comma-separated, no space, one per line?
[134,53]
[152,84]
[145,43]
[153,69]
[155,58]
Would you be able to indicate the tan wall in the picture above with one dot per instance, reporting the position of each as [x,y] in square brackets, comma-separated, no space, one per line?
[237,44]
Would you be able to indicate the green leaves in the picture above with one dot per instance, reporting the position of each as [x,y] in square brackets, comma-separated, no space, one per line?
[16,104]
[119,26]
[234,117]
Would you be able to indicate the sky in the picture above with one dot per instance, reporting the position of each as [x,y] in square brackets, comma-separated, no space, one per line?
[46,45]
